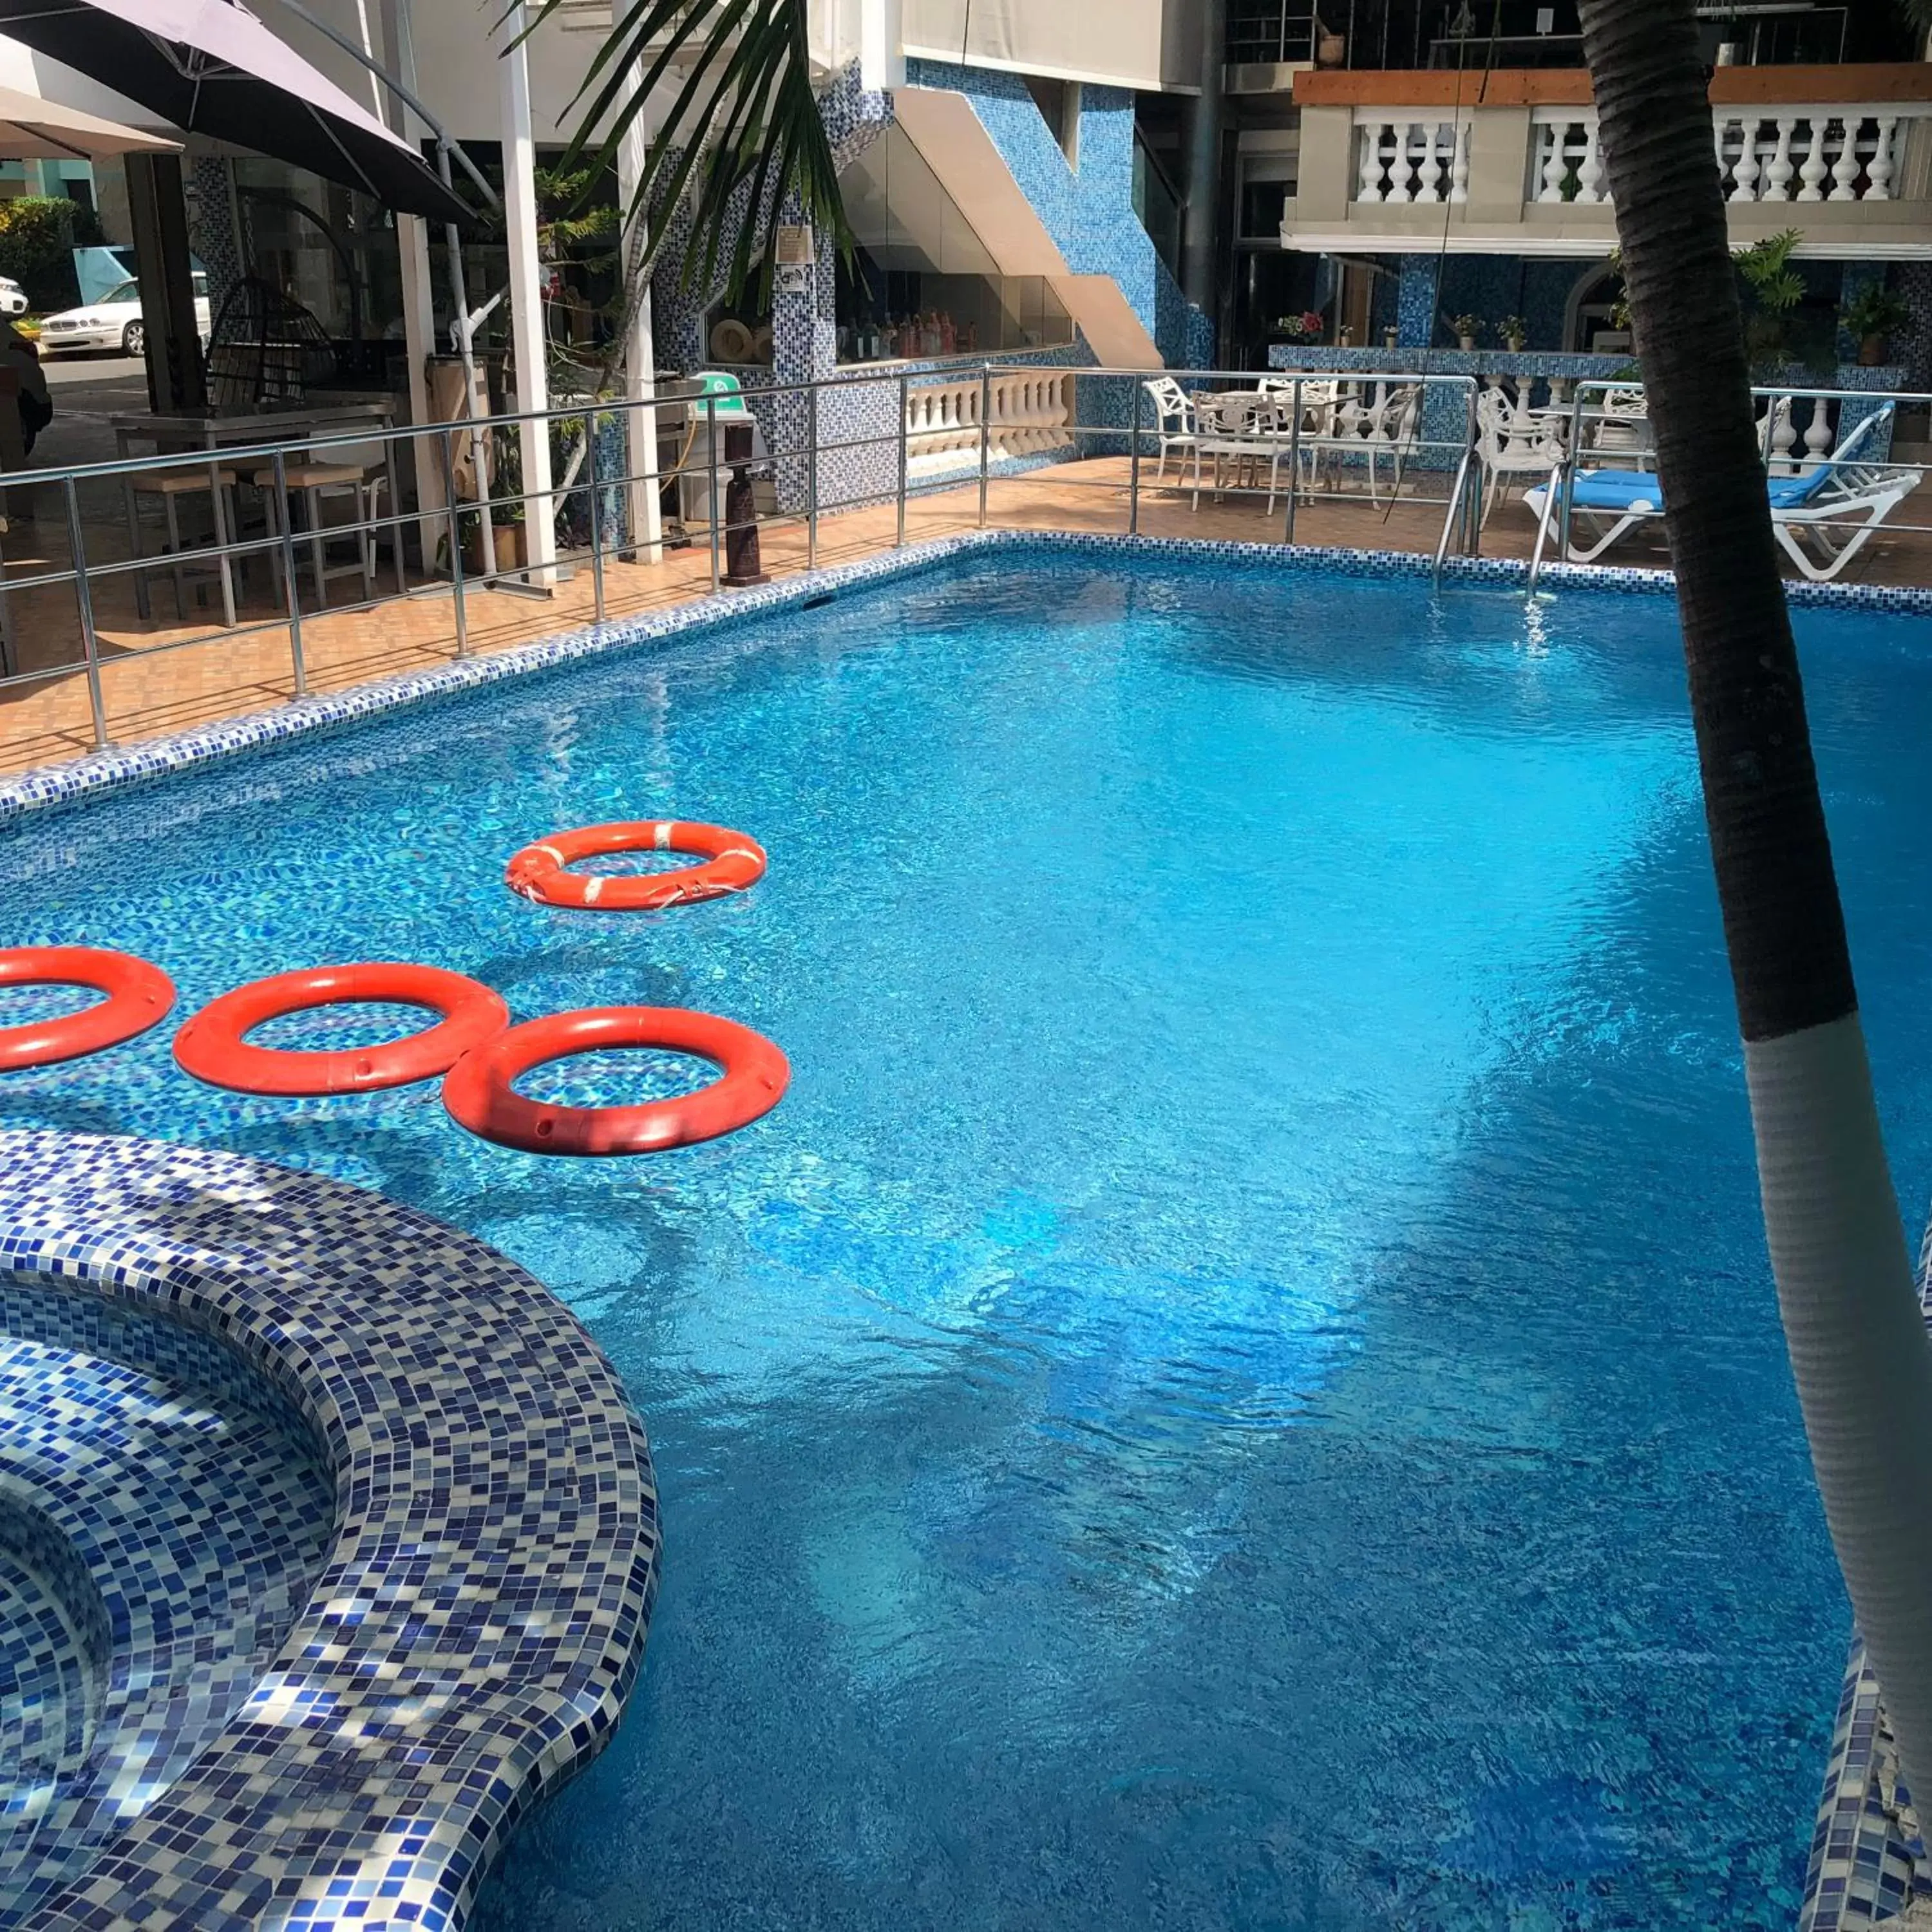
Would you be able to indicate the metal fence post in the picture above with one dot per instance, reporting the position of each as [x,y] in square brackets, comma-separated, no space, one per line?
[713,505]
[905,391]
[985,434]
[596,531]
[1134,461]
[83,597]
[1293,458]
[811,477]
[284,516]
[455,542]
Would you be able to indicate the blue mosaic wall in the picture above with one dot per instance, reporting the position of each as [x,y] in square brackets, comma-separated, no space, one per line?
[1088,211]
[294,1659]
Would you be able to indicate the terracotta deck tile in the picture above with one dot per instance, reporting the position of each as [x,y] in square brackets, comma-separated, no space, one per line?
[166,673]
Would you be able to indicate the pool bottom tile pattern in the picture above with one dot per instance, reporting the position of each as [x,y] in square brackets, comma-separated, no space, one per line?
[328,1545]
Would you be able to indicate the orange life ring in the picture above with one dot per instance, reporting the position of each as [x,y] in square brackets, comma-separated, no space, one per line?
[139,996]
[212,1046]
[480,1094]
[732,862]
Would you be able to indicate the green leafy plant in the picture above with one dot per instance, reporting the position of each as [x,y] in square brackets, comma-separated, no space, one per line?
[1512,329]
[1875,309]
[38,234]
[1471,325]
[743,135]
[506,487]
[1773,290]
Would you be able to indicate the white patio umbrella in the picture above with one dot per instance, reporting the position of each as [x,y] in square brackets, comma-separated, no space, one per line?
[35,130]
[211,68]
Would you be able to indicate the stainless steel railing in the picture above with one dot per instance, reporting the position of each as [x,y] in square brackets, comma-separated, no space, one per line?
[1381,440]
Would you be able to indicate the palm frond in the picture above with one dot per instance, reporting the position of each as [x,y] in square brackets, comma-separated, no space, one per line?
[742,138]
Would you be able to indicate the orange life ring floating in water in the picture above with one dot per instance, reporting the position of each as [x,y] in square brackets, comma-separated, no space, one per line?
[211,1047]
[481,1095]
[732,862]
[139,996]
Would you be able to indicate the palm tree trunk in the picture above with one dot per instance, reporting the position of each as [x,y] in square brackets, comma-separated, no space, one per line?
[1858,1344]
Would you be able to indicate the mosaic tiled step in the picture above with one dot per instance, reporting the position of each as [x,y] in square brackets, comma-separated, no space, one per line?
[487,1553]
[196,1508]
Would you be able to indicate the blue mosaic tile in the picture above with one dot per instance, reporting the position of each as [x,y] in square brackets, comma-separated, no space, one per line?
[329,1541]
[1867,1861]
[75,779]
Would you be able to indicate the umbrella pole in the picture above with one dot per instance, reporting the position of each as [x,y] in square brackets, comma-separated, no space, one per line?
[452,249]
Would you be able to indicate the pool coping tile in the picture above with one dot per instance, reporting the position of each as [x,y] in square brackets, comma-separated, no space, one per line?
[72,780]
[479,1617]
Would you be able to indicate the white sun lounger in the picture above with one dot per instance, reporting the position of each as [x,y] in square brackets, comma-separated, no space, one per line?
[1821,519]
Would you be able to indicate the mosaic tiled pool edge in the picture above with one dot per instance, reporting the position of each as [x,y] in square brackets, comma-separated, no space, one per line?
[481,1614]
[73,780]
[1868,1860]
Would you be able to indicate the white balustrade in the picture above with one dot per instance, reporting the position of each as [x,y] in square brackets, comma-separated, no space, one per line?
[1566,162]
[1032,411]
[1804,154]
[1411,160]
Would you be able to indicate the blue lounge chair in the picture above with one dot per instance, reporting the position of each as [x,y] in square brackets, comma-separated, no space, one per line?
[1823,518]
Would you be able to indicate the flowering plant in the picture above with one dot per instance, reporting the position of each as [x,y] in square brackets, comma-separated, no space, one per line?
[1306,327]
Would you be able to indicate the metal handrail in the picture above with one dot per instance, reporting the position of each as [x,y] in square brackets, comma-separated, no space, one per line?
[1108,425]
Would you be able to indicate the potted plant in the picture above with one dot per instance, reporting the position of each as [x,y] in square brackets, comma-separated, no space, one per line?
[1466,328]
[508,549]
[1308,326]
[1331,48]
[1515,332]
[1869,318]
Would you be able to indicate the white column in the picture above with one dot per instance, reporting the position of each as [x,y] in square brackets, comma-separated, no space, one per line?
[881,45]
[526,321]
[419,341]
[640,366]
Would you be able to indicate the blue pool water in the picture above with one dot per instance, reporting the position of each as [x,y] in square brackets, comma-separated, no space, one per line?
[1240,1388]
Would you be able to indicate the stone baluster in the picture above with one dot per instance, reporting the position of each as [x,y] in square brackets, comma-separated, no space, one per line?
[1783,435]
[1428,176]
[1369,187]
[1555,134]
[1719,128]
[1884,162]
[1745,170]
[1458,166]
[1778,170]
[1815,168]
[1401,172]
[1817,434]
[1590,167]
[1845,168]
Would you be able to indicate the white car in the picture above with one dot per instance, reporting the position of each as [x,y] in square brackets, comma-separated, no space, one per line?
[114,322]
[13,297]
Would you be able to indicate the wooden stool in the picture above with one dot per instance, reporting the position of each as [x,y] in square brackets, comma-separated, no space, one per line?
[170,485]
[316,481]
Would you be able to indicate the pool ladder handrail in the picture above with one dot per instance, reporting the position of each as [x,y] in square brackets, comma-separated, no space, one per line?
[1558,491]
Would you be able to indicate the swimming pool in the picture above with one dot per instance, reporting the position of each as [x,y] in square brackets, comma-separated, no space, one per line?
[1240,1388]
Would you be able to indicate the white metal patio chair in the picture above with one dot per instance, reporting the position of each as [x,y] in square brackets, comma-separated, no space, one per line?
[1822,520]
[1511,441]
[1173,418]
[1242,427]
[1382,423]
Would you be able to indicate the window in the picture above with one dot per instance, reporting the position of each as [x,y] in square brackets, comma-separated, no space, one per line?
[1266,182]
